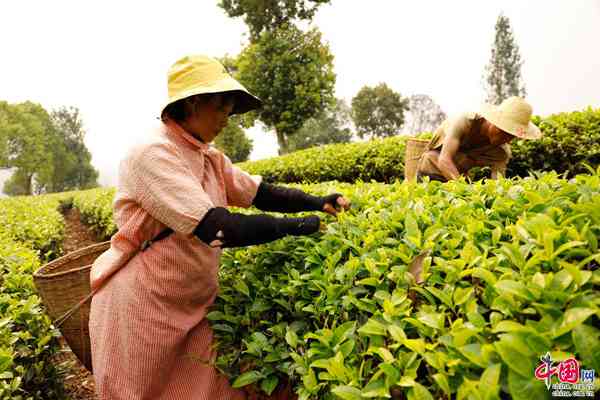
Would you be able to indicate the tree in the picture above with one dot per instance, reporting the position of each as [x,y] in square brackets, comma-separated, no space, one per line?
[233,141]
[424,114]
[46,151]
[502,76]
[73,171]
[378,111]
[292,72]
[331,126]
[261,15]
[27,131]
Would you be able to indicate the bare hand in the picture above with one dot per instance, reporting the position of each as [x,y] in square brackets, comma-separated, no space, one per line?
[341,204]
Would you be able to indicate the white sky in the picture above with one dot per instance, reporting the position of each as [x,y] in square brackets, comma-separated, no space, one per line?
[109,58]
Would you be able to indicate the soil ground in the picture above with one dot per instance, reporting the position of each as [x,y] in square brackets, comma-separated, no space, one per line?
[79,382]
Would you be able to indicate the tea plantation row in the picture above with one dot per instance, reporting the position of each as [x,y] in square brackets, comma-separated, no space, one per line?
[430,290]
[31,231]
[425,290]
[571,140]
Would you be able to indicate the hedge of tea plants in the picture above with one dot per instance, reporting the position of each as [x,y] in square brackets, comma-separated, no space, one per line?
[31,230]
[571,140]
[427,291]
[381,160]
[95,206]
[420,291]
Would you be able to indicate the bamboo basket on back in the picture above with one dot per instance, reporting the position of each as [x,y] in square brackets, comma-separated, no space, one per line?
[62,284]
[414,149]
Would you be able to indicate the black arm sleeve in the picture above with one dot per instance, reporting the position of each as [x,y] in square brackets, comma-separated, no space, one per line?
[237,230]
[282,199]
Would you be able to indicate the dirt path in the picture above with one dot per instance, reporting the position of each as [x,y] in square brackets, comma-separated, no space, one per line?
[79,382]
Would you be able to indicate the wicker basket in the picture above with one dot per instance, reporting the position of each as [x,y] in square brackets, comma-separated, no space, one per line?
[414,149]
[62,284]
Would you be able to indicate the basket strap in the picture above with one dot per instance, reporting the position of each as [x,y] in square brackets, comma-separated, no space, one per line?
[61,320]
[147,243]
[161,235]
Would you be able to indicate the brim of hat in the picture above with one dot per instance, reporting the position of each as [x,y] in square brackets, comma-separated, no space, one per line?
[490,112]
[244,102]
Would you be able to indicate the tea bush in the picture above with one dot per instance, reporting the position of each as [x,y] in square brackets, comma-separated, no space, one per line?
[570,141]
[380,160]
[95,206]
[34,221]
[421,290]
[30,234]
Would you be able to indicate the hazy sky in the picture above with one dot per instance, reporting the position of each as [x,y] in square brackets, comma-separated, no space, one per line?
[110,58]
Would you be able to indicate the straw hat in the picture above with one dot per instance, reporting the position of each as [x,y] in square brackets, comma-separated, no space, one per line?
[199,74]
[512,116]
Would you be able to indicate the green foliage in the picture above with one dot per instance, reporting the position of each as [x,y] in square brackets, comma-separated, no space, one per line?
[331,126]
[378,111]
[27,341]
[18,183]
[233,142]
[423,290]
[571,140]
[502,77]
[31,233]
[292,72]
[27,133]
[380,160]
[35,222]
[95,206]
[47,152]
[261,15]
[420,290]
[72,162]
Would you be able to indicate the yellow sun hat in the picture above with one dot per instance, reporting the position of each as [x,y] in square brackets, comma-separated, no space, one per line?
[200,74]
[512,116]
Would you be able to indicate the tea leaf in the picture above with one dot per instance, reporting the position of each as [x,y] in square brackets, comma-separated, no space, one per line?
[587,343]
[416,266]
[419,392]
[372,327]
[347,392]
[514,288]
[246,379]
[572,318]
[269,384]
[526,387]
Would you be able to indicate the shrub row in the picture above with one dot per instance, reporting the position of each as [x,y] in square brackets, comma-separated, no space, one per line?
[420,291]
[34,221]
[570,141]
[95,206]
[380,160]
[31,234]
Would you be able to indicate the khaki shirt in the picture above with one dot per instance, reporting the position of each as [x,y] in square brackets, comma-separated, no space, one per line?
[466,128]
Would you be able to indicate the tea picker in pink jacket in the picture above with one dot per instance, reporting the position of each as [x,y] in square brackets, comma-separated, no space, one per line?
[147,322]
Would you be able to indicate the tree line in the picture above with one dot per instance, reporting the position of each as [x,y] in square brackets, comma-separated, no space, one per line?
[292,71]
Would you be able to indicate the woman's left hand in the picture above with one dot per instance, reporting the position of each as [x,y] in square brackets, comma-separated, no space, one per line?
[335,203]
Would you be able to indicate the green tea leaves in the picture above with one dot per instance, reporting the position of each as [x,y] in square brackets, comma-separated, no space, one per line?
[246,378]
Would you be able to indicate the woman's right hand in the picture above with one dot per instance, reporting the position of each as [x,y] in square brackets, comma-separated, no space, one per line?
[335,203]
